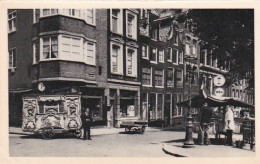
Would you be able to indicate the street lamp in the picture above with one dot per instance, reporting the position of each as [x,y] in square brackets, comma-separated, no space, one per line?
[189,124]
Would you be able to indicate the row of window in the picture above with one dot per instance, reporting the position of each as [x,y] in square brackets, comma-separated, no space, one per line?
[174,77]
[155,56]
[157,102]
[116,59]
[242,95]
[64,47]
[208,60]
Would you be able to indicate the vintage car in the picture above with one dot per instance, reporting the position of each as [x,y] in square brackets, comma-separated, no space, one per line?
[51,114]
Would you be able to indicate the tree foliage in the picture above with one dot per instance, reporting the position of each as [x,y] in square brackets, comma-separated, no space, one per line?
[230,34]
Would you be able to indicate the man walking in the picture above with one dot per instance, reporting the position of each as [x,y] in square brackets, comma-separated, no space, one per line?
[229,124]
[205,118]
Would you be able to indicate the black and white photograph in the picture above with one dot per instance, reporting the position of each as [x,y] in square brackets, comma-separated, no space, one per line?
[131,82]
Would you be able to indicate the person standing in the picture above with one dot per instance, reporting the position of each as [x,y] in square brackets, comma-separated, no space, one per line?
[205,119]
[229,124]
[86,120]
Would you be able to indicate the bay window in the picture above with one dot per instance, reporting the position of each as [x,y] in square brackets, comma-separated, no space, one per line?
[12,21]
[116,21]
[131,25]
[65,47]
[116,58]
[131,62]
[72,12]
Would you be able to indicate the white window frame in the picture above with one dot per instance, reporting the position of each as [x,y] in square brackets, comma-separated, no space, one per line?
[187,49]
[147,51]
[161,61]
[34,51]
[120,21]
[151,78]
[156,35]
[14,56]
[12,20]
[134,25]
[41,47]
[177,56]
[93,22]
[134,62]
[156,60]
[86,55]
[170,60]
[181,77]
[80,57]
[158,86]
[194,50]
[120,58]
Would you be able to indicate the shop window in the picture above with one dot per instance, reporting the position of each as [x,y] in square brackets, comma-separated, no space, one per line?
[161,56]
[175,56]
[179,78]
[131,26]
[116,21]
[12,21]
[159,105]
[147,76]
[116,59]
[131,62]
[169,54]
[12,58]
[152,108]
[153,55]
[159,78]
[128,103]
[145,52]
[170,77]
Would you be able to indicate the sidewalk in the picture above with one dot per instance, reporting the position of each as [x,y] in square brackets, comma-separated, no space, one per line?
[175,148]
[94,131]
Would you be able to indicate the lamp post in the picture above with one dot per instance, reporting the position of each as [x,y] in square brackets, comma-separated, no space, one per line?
[189,124]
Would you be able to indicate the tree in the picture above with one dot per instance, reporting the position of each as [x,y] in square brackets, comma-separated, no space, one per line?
[229,33]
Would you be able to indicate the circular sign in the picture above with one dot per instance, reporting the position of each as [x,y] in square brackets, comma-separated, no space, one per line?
[219,80]
[219,92]
[41,87]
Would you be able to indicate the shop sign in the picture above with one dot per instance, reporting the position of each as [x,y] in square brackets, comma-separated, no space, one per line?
[219,80]
[219,92]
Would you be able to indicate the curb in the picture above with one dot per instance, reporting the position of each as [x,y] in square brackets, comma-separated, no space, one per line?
[167,151]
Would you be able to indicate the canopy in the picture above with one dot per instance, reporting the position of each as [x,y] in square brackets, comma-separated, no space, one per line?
[214,101]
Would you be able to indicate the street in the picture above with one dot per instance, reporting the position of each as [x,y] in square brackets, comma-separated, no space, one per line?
[148,144]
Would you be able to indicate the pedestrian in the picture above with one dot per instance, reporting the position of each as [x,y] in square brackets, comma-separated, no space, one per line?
[229,124]
[205,119]
[86,120]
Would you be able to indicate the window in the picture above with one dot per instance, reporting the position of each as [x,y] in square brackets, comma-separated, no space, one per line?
[71,47]
[131,62]
[131,26]
[144,105]
[175,56]
[116,59]
[72,12]
[179,78]
[170,77]
[128,103]
[178,109]
[153,55]
[47,12]
[144,13]
[159,105]
[181,57]
[36,15]
[159,78]
[194,50]
[12,58]
[36,52]
[12,21]
[176,41]
[152,109]
[145,52]
[187,49]
[161,56]
[147,76]
[90,16]
[169,54]
[90,53]
[154,34]
[116,21]
[49,47]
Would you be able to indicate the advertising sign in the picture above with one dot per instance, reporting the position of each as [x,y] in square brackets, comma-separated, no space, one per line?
[219,92]
[219,80]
